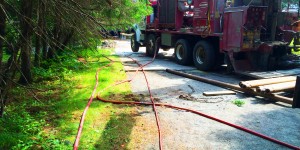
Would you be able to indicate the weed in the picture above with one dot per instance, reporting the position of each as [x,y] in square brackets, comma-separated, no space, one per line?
[21,130]
[238,102]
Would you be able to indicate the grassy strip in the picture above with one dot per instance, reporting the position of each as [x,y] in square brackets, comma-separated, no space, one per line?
[66,87]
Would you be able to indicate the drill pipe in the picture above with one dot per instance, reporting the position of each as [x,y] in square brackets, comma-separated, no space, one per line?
[279,87]
[232,86]
[256,83]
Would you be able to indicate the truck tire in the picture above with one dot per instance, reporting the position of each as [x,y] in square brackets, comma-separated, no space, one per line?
[151,47]
[204,56]
[183,53]
[135,46]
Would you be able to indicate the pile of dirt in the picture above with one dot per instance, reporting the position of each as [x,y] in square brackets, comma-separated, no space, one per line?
[108,44]
[189,97]
[139,98]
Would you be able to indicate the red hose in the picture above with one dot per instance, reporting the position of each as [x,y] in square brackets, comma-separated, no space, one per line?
[152,99]
[76,143]
[206,116]
[166,105]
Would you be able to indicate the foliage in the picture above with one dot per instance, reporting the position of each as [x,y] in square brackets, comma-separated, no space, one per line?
[119,10]
[238,102]
[293,3]
[20,123]
[52,122]
[48,30]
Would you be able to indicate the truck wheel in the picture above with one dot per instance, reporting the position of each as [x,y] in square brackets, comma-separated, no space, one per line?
[204,56]
[183,54]
[135,46]
[151,47]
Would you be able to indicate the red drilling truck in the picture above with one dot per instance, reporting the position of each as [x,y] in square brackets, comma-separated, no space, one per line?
[247,35]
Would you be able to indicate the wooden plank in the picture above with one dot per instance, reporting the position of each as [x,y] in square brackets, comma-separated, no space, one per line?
[296,99]
[217,93]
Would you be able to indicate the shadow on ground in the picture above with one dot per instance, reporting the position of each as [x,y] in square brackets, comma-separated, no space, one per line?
[117,132]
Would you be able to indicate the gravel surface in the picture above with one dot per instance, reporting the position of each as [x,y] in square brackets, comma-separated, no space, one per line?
[184,130]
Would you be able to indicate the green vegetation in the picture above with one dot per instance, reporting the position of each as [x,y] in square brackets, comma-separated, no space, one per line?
[47,72]
[38,36]
[238,102]
[289,3]
[63,89]
[293,51]
[5,57]
[296,52]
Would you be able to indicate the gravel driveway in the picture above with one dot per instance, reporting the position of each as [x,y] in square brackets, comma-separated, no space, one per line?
[184,130]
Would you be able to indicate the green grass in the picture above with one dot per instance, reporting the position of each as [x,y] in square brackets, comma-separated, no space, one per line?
[65,90]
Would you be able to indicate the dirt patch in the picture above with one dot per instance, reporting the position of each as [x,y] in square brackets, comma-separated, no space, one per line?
[82,60]
[133,97]
[80,86]
[187,97]
[203,100]
[129,62]
[108,44]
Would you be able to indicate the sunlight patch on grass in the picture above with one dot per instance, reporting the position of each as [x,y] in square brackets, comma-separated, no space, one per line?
[99,114]
[65,95]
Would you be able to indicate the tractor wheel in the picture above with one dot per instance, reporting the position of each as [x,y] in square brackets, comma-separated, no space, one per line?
[183,53]
[135,46]
[152,45]
[204,56]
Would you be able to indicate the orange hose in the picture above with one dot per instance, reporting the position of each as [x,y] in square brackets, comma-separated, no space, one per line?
[206,116]
[76,143]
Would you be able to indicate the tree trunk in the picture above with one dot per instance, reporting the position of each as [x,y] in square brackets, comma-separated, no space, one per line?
[67,39]
[26,29]
[55,45]
[9,74]
[2,32]
[45,48]
[51,53]
[37,51]
[43,29]
[37,55]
